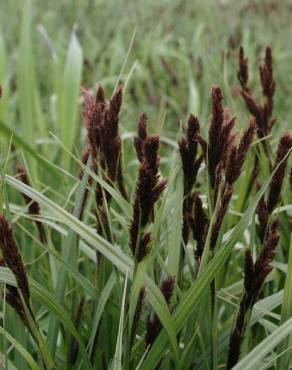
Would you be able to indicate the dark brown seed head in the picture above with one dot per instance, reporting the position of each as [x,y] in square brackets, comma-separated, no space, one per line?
[148,189]
[263,215]
[215,142]
[109,134]
[93,115]
[100,97]
[262,265]
[139,141]
[237,155]
[188,152]
[13,298]
[199,224]
[193,128]
[12,257]
[266,75]
[153,327]
[153,324]
[144,246]
[166,287]
[248,271]
[225,199]
[242,73]
[284,146]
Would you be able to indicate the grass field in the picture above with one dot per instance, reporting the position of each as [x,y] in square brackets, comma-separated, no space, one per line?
[130,242]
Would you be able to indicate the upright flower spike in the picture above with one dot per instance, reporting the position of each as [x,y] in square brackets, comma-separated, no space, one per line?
[263,215]
[13,258]
[262,112]
[139,140]
[149,185]
[93,115]
[220,138]
[224,203]
[266,75]
[188,152]
[215,142]
[237,155]
[284,146]
[102,123]
[199,224]
[153,323]
[148,189]
[242,73]
[255,274]
[110,139]
[188,148]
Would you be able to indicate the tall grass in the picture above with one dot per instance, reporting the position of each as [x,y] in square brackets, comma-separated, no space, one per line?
[128,241]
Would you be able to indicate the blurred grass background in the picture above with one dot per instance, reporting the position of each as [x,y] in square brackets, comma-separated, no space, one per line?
[179,49]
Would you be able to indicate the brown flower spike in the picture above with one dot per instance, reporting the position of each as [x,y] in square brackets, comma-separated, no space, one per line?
[148,189]
[13,258]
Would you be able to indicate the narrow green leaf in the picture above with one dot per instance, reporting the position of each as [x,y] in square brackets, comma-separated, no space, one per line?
[20,349]
[117,360]
[253,361]
[286,312]
[69,93]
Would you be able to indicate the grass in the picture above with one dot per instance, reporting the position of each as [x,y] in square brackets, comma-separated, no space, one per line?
[116,282]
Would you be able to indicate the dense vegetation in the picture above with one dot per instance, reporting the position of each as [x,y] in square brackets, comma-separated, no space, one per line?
[156,240]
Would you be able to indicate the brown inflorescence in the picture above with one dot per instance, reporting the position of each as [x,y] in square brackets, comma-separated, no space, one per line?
[224,202]
[110,138]
[199,223]
[139,140]
[13,258]
[102,123]
[262,112]
[220,138]
[153,325]
[148,189]
[188,147]
[263,215]
[237,154]
[255,274]
[242,73]
[284,147]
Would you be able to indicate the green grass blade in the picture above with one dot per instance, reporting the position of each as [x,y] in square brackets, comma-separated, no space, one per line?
[253,361]
[286,312]
[45,298]
[104,297]
[70,254]
[20,349]
[69,94]
[117,360]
